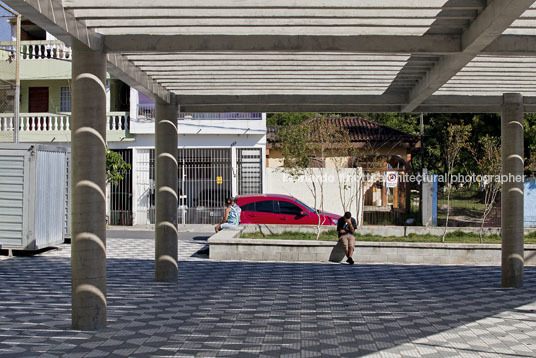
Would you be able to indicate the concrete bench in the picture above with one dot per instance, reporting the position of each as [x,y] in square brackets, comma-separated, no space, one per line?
[227,245]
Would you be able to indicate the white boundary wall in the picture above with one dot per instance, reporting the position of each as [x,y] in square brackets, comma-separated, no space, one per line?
[280,181]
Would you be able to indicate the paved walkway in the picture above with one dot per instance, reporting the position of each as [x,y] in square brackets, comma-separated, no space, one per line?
[266,309]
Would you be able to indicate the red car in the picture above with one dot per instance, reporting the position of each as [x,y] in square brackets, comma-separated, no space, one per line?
[280,209]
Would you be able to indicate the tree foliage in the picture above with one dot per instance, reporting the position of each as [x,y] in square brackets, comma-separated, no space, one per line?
[457,137]
[315,140]
[288,119]
[489,164]
[306,148]
[530,144]
[294,145]
[404,122]
[116,167]
[435,124]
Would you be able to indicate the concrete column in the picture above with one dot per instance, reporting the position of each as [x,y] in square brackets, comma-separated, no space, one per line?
[166,269]
[512,190]
[234,171]
[134,101]
[88,207]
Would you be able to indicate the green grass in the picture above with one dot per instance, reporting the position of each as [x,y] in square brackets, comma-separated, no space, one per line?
[331,235]
[465,201]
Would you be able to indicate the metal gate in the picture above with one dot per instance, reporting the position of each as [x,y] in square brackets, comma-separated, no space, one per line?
[205,181]
[121,195]
[67,200]
[145,199]
[249,162]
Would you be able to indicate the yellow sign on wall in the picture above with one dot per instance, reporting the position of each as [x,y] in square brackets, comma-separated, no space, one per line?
[219,180]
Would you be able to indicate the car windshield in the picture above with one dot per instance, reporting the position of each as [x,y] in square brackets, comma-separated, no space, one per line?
[305,206]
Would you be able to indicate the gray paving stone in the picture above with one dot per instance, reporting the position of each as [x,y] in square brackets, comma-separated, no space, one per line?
[242,309]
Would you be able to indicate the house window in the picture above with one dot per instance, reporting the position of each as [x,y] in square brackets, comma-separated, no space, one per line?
[65,99]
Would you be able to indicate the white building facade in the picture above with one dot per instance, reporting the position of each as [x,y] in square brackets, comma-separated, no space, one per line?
[220,154]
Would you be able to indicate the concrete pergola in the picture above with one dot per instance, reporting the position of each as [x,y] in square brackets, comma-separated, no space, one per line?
[280,55]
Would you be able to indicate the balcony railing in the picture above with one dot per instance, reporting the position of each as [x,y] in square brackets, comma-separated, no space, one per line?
[146,113]
[45,50]
[47,122]
[219,116]
[36,50]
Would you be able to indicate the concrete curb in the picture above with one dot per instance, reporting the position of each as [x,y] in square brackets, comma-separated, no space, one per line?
[387,230]
[227,245]
[180,228]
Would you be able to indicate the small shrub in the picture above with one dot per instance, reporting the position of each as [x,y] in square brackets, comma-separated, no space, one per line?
[531,236]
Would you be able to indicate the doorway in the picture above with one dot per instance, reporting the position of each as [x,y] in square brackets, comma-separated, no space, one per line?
[121,194]
[38,103]
[38,99]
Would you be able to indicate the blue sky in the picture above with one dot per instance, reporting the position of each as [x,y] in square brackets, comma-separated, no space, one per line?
[5,30]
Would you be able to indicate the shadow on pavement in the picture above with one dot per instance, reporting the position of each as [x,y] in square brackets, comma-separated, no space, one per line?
[250,308]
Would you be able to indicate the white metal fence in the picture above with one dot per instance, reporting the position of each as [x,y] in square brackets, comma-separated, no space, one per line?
[205,180]
[146,112]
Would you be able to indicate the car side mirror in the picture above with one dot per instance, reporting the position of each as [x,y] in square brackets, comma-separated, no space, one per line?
[304,213]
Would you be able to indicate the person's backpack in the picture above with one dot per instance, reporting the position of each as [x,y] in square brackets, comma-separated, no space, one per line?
[238,211]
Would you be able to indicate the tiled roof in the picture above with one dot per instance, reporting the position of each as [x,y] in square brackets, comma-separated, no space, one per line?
[360,130]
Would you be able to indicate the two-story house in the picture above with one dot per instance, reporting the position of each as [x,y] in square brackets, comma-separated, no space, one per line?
[220,154]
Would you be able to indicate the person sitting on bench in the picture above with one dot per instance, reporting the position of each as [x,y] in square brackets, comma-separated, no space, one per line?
[230,217]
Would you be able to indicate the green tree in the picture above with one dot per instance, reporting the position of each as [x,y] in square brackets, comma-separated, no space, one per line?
[285,119]
[457,136]
[489,164]
[116,167]
[404,122]
[530,143]
[305,149]
[294,144]
[436,140]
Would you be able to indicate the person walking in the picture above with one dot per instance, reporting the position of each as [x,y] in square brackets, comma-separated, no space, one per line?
[346,228]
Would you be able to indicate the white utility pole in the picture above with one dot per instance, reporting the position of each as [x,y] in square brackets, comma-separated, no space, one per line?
[16,101]
[16,109]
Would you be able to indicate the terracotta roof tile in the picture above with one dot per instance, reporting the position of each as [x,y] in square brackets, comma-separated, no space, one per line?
[360,130]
